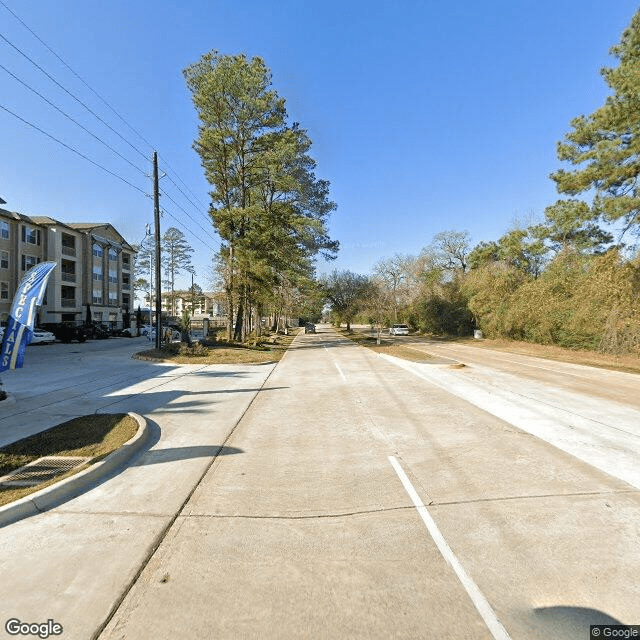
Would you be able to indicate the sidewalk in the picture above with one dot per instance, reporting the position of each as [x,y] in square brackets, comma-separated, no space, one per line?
[72,564]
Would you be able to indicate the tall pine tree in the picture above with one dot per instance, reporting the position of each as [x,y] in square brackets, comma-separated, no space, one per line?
[266,203]
[605,146]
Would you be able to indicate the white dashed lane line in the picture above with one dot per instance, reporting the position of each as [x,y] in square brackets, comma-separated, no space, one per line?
[479,601]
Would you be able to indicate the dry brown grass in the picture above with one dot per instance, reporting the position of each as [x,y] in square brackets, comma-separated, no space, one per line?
[95,435]
[388,347]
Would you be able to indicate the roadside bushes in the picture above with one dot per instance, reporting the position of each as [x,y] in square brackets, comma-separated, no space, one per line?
[443,309]
[579,301]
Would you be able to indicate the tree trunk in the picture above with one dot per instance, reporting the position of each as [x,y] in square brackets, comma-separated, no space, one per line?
[229,314]
[229,288]
[237,333]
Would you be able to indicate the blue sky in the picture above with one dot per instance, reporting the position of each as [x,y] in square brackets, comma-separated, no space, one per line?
[425,116]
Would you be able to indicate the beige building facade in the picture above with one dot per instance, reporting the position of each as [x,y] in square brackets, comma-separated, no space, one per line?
[200,305]
[94,268]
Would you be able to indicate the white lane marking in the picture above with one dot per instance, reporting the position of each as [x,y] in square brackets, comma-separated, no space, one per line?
[337,365]
[479,601]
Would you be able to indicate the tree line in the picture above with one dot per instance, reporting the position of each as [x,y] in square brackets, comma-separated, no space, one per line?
[563,280]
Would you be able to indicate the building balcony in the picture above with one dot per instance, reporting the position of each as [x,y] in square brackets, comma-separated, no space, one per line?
[68,302]
[68,277]
[69,251]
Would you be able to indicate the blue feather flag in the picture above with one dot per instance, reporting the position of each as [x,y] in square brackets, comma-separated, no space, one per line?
[19,331]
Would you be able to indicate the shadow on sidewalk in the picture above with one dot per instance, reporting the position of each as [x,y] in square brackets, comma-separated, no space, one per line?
[158,456]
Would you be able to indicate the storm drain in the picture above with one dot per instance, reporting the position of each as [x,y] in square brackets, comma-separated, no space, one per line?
[41,470]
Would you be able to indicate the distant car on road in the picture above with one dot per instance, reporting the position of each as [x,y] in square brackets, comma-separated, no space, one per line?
[40,336]
[399,330]
[309,327]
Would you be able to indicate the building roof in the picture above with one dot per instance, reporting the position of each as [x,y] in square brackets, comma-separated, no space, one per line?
[82,227]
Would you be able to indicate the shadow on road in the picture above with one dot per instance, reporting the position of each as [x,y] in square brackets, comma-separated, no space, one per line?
[570,622]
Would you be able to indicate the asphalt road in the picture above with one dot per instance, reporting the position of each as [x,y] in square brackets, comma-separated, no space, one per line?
[339,494]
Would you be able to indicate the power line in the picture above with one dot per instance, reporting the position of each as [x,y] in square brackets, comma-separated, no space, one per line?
[163,210]
[86,84]
[193,204]
[183,184]
[66,115]
[64,144]
[103,100]
[188,216]
[93,113]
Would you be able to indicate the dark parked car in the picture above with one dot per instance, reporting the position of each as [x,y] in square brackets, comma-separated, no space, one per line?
[96,331]
[309,327]
[67,333]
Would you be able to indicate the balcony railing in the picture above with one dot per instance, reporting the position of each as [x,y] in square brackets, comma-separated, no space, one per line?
[68,302]
[125,286]
[68,251]
[68,276]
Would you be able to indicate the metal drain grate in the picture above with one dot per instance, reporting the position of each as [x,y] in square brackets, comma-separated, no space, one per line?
[41,470]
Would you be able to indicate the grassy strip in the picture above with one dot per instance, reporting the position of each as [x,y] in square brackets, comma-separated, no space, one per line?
[388,347]
[269,349]
[95,435]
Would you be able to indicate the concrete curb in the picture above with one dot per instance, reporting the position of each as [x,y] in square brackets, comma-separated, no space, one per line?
[54,494]
[9,401]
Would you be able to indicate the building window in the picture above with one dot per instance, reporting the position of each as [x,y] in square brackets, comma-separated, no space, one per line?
[113,276]
[126,261]
[4,290]
[97,299]
[29,262]
[97,273]
[68,296]
[4,259]
[30,235]
[68,244]
[4,230]
[68,270]
[113,298]
[113,255]
[97,251]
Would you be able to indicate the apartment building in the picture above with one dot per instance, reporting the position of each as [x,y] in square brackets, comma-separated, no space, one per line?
[95,267]
[204,304]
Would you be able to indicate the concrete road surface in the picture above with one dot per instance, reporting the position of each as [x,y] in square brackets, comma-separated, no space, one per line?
[371,500]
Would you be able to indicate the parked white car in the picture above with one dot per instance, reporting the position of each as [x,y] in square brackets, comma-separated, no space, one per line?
[40,336]
[399,330]
[175,334]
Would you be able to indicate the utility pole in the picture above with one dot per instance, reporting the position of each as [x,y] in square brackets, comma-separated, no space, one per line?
[156,219]
[193,296]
